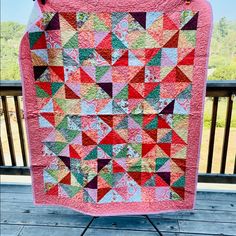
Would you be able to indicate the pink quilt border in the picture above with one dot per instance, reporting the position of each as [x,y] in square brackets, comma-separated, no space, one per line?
[35,135]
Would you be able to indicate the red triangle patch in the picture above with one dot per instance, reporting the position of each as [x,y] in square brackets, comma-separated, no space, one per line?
[179,191]
[168,24]
[147,118]
[41,43]
[112,138]
[49,117]
[123,60]
[105,53]
[86,140]
[173,42]
[152,133]
[45,86]
[102,192]
[181,163]
[139,77]
[84,77]
[105,43]
[66,179]
[133,93]
[70,17]
[162,123]
[176,139]
[165,147]
[145,176]
[53,191]
[160,182]
[149,87]
[117,168]
[180,76]
[108,119]
[150,53]
[146,148]
[70,94]
[170,78]
[73,153]
[136,176]
[189,59]
[59,71]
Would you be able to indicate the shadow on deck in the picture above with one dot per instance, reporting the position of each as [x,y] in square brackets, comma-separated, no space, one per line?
[215,214]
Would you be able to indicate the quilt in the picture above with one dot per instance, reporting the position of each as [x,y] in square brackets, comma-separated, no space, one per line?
[113,99]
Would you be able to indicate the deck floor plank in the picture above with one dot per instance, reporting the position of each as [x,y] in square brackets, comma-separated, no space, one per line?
[15,188]
[117,222]
[44,219]
[197,214]
[215,205]
[207,227]
[215,214]
[8,230]
[217,196]
[52,231]
[112,232]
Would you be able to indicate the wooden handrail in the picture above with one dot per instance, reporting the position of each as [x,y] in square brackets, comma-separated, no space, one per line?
[214,89]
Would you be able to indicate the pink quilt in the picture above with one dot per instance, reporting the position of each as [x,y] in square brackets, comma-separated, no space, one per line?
[113,98]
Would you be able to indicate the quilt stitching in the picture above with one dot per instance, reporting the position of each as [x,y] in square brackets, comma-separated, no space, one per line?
[114,91]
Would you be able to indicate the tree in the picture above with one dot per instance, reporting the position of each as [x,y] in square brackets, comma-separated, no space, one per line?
[224,73]
[223,27]
[11,33]
[223,51]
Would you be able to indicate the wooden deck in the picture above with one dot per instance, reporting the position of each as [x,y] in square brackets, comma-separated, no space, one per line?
[215,214]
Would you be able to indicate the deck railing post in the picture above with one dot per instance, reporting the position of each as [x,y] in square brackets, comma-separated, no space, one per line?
[2,161]
[20,127]
[212,134]
[226,135]
[9,130]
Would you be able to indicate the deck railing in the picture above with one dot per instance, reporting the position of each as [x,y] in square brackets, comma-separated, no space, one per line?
[12,90]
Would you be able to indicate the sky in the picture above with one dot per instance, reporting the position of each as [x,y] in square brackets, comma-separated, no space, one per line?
[19,10]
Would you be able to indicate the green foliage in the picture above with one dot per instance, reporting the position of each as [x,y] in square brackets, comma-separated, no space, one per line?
[11,33]
[224,72]
[223,51]
[221,115]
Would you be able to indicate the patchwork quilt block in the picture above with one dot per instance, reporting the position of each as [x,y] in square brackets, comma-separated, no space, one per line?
[113,100]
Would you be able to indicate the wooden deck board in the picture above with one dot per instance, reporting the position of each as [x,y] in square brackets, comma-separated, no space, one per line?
[52,231]
[208,227]
[112,232]
[45,219]
[117,222]
[215,214]
[10,229]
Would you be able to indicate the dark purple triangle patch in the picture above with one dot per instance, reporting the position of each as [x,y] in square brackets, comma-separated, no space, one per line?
[93,184]
[107,87]
[192,24]
[169,108]
[140,17]
[38,71]
[102,163]
[54,23]
[65,160]
[165,176]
